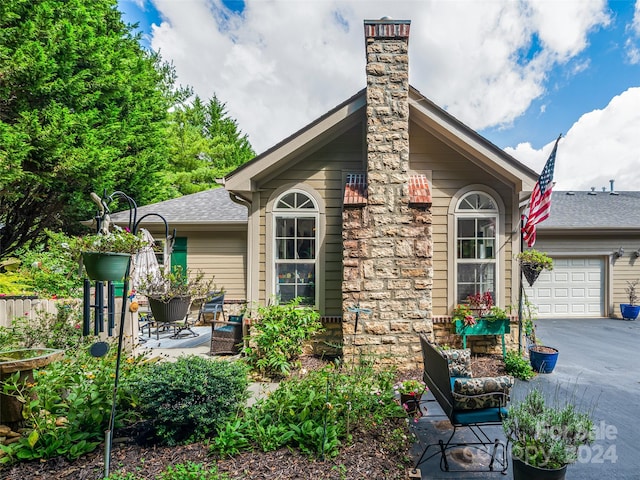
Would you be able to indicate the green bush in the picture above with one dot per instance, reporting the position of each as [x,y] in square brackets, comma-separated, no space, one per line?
[67,406]
[315,413]
[278,335]
[179,471]
[52,267]
[191,398]
[518,366]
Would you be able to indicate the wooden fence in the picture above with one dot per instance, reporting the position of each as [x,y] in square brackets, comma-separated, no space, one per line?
[19,307]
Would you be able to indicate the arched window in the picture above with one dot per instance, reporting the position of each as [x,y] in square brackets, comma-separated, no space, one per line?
[295,217]
[476,259]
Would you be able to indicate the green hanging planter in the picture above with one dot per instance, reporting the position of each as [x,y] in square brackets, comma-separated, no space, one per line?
[106,266]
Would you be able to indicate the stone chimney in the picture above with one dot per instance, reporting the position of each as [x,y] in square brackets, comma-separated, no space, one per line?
[387,267]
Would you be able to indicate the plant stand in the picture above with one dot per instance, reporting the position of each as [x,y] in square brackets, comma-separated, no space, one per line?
[168,313]
[484,326]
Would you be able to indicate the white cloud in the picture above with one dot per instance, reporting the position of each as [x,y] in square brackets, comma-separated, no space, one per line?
[284,63]
[602,145]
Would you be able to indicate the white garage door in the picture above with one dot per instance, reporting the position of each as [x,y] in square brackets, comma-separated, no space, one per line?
[574,288]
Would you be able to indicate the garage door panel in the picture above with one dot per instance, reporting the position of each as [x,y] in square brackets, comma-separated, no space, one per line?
[557,277]
[575,287]
[561,292]
[544,293]
[578,277]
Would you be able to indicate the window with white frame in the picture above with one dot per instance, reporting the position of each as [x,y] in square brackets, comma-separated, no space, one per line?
[295,217]
[476,241]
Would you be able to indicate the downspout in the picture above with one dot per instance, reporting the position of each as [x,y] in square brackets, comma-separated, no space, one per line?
[249,270]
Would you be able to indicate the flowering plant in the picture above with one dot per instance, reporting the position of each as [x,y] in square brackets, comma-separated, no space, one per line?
[118,240]
[482,302]
[463,312]
[410,387]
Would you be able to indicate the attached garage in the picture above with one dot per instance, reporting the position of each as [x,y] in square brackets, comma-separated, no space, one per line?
[574,288]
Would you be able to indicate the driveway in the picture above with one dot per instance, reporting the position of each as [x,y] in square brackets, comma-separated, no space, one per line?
[599,369]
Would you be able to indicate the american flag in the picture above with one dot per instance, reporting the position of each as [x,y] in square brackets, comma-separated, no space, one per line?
[540,203]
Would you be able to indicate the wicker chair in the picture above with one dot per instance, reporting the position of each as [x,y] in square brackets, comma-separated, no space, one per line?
[226,337]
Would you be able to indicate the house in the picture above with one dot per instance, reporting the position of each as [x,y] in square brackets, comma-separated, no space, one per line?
[388,203]
[211,235]
[594,239]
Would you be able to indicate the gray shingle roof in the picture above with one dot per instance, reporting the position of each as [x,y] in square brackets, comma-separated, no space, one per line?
[602,210]
[208,207]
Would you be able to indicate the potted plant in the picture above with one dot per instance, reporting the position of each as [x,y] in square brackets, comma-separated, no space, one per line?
[171,294]
[532,263]
[480,317]
[545,438]
[410,392]
[107,256]
[630,310]
[543,358]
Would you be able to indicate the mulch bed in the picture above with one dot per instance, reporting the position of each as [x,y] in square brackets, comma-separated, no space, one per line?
[376,454]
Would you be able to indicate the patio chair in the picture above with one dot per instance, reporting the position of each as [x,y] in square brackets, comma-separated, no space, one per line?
[226,337]
[469,403]
[213,306]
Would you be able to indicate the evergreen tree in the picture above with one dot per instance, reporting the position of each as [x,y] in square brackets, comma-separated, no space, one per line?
[83,107]
[205,144]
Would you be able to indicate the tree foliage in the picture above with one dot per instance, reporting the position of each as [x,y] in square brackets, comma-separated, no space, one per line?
[83,107]
[205,144]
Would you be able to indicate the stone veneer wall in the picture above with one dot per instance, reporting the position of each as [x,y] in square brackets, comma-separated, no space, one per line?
[387,259]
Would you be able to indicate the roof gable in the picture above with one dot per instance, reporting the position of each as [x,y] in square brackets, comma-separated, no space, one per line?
[425,113]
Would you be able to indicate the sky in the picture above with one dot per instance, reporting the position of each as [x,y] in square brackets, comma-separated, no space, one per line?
[520,73]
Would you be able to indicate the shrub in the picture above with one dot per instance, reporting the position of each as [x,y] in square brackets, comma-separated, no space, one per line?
[278,335]
[191,398]
[52,266]
[67,406]
[518,366]
[179,471]
[315,413]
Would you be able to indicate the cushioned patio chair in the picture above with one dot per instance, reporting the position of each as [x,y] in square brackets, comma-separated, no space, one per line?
[470,403]
[226,337]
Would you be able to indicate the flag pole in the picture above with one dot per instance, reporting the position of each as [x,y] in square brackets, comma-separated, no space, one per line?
[540,214]
[520,289]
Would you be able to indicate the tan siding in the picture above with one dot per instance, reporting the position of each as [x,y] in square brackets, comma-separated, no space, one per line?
[324,172]
[450,172]
[222,255]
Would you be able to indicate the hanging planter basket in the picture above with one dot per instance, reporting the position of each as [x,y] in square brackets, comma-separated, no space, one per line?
[106,266]
[172,311]
[531,272]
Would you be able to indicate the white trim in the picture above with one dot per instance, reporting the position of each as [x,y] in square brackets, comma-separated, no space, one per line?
[270,248]
[500,238]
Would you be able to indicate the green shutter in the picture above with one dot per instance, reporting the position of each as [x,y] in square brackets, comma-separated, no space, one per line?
[179,255]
